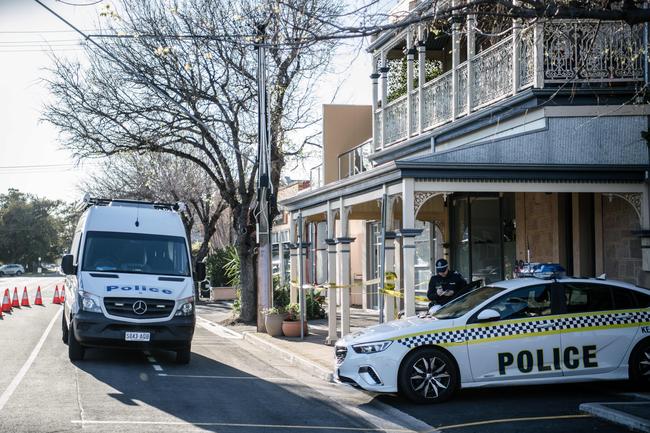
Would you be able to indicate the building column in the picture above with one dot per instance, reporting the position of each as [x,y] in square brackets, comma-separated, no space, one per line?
[282,247]
[422,59]
[374,77]
[389,267]
[410,57]
[383,70]
[293,260]
[343,267]
[645,234]
[332,322]
[408,234]
[538,59]
[471,50]
[455,60]
[516,51]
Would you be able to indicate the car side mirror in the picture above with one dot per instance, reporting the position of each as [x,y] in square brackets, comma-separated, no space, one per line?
[67,265]
[199,275]
[488,315]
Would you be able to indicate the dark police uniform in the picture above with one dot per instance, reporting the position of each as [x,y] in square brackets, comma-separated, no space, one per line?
[453,281]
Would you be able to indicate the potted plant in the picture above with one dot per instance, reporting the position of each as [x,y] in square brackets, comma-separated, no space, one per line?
[273,318]
[291,325]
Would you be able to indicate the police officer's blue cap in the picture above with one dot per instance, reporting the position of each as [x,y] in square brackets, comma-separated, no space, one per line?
[441,265]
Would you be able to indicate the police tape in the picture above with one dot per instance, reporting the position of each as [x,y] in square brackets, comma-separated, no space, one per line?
[400,295]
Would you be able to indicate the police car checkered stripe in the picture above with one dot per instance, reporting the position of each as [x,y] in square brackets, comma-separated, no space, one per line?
[524,328]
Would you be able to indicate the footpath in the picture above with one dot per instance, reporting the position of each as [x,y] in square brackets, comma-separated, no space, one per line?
[315,358]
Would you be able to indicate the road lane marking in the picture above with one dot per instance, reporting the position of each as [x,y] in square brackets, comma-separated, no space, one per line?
[227,424]
[23,370]
[153,361]
[217,329]
[196,376]
[506,420]
[157,367]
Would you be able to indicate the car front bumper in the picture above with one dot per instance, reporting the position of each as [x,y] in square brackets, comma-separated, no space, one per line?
[375,372]
[95,330]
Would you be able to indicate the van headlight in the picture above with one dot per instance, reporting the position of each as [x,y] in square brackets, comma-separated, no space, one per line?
[377,346]
[89,302]
[186,307]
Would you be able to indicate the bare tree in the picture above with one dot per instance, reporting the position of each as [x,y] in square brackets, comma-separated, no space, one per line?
[163,178]
[195,97]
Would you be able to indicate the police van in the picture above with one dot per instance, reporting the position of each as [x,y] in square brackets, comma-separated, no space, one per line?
[129,279]
[518,332]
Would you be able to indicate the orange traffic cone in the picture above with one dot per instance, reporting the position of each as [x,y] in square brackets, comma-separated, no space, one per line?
[62,297]
[6,302]
[15,303]
[25,301]
[57,299]
[39,298]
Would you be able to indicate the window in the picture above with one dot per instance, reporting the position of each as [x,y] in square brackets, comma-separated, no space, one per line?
[643,300]
[586,297]
[532,301]
[623,298]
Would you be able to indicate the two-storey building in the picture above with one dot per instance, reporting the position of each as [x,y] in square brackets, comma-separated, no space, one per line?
[489,145]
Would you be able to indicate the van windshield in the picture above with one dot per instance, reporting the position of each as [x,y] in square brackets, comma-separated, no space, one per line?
[135,253]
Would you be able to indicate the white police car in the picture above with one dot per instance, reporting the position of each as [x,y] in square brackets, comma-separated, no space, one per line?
[524,331]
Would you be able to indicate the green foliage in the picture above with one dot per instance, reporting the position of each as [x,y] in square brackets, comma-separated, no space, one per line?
[232,267]
[33,227]
[216,265]
[397,75]
[314,306]
[293,311]
[280,293]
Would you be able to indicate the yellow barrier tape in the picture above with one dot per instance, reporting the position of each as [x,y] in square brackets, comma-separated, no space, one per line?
[397,294]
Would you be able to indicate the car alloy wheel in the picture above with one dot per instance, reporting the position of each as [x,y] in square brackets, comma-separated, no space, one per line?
[428,375]
[640,365]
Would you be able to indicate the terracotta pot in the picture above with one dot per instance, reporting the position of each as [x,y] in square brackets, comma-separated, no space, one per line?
[273,324]
[291,328]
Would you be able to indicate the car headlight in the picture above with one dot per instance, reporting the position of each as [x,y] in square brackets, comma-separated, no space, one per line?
[377,346]
[89,303]
[186,307]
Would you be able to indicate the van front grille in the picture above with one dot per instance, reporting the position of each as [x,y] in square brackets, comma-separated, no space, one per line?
[153,308]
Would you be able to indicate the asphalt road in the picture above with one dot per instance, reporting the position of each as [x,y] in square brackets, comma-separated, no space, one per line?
[231,386]
[225,388]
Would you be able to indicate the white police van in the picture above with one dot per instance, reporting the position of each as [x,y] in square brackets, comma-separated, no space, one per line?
[523,331]
[129,279]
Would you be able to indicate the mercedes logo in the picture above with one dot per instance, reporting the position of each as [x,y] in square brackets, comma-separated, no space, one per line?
[139,307]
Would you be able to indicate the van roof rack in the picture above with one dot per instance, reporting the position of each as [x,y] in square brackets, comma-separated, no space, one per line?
[96,201]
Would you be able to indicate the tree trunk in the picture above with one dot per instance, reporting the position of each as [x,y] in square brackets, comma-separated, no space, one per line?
[245,245]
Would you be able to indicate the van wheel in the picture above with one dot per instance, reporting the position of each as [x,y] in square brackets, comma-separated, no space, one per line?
[640,365]
[64,329]
[183,356]
[428,375]
[75,350]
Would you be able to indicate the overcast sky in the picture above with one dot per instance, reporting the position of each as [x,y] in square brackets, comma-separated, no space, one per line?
[31,157]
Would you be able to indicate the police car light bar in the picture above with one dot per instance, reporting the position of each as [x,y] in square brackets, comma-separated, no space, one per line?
[95,201]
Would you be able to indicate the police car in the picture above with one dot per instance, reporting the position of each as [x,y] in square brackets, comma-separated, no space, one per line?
[524,331]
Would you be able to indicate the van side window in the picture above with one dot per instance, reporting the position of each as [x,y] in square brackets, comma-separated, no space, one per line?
[74,248]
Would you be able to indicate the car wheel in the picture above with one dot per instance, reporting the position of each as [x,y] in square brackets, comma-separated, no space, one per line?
[183,356]
[75,350]
[640,365]
[428,375]
[64,329]
[18,273]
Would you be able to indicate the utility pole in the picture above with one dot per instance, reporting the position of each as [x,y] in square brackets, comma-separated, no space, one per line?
[264,189]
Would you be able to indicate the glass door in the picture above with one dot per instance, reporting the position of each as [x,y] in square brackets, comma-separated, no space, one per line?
[373,247]
[486,245]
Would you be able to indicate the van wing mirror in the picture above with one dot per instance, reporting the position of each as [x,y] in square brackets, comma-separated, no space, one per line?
[199,275]
[67,265]
[488,315]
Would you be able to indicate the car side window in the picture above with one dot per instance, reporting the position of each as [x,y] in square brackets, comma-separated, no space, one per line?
[587,297]
[623,298]
[532,301]
[643,300]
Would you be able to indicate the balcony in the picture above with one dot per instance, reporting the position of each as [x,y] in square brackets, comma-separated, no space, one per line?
[546,54]
[355,160]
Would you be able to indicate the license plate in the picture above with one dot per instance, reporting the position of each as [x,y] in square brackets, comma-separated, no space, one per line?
[137,336]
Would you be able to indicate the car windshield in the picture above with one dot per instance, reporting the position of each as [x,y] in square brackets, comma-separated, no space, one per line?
[135,253]
[467,302]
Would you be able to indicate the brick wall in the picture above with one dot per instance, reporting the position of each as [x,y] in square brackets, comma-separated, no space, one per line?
[622,249]
[537,220]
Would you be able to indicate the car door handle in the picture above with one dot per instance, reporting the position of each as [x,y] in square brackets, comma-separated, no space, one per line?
[543,325]
[625,316]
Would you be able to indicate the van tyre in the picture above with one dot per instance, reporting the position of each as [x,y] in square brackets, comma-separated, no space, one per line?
[75,350]
[183,356]
[428,375]
[64,329]
[640,365]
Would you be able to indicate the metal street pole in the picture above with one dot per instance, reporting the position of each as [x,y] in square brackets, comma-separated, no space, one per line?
[264,190]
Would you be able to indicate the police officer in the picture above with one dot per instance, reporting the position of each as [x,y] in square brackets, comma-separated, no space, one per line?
[445,285]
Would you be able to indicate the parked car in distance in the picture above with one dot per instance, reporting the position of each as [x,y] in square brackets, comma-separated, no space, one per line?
[12,269]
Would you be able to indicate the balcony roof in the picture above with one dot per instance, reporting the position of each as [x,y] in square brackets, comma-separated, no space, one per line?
[387,35]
